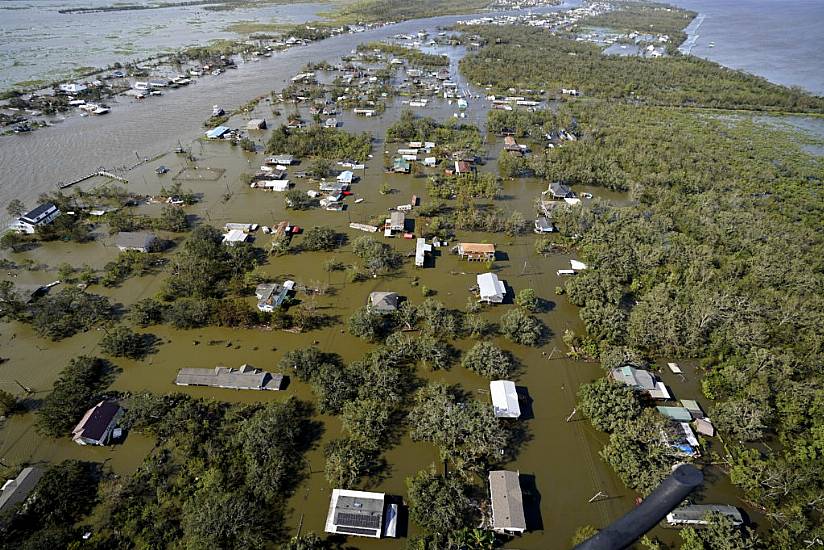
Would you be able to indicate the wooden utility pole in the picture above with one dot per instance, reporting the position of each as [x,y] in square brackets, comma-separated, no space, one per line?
[575,410]
[598,495]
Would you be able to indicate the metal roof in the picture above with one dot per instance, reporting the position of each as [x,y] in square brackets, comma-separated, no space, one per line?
[244,378]
[504,399]
[16,490]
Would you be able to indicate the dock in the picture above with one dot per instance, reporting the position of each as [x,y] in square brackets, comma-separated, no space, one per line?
[103,173]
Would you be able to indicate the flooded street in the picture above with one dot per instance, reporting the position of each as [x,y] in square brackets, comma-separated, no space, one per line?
[562,456]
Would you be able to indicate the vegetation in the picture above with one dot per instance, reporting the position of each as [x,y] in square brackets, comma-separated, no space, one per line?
[530,58]
[129,262]
[521,327]
[68,312]
[206,267]
[295,199]
[322,238]
[63,496]
[121,341]
[438,504]
[488,360]
[448,138]
[469,436]
[378,257]
[77,389]
[319,141]
[607,404]
[413,56]
[396,10]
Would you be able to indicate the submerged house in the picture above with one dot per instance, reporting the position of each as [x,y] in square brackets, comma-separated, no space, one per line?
[361,513]
[383,302]
[235,236]
[271,296]
[507,502]
[490,289]
[256,124]
[15,491]
[696,514]
[96,426]
[401,166]
[42,215]
[558,190]
[481,252]
[421,248]
[217,132]
[504,399]
[640,380]
[245,378]
[141,241]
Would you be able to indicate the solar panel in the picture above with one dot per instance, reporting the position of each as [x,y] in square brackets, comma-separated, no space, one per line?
[358,520]
[356,530]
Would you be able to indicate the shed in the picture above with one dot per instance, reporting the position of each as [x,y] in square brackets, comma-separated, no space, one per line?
[16,490]
[675,413]
[693,407]
[141,241]
[704,427]
[507,502]
[491,290]
[383,302]
[504,399]
[256,124]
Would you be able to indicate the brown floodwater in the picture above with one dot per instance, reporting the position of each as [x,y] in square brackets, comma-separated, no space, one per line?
[562,456]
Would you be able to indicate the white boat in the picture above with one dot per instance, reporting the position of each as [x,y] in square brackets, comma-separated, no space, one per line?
[357,201]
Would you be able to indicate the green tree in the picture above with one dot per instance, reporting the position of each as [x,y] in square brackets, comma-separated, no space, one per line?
[608,404]
[438,504]
[8,403]
[68,312]
[366,323]
[76,389]
[488,360]
[296,199]
[520,327]
[309,541]
[11,240]
[367,420]
[321,238]
[347,461]
[15,208]
[210,517]
[527,299]
[121,341]
[719,534]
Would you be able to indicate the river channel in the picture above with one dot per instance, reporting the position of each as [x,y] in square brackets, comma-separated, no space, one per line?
[559,459]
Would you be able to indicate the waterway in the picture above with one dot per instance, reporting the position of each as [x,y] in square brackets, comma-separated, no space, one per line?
[777,39]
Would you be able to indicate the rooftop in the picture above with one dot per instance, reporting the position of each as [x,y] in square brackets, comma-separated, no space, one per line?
[507,501]
[244,378]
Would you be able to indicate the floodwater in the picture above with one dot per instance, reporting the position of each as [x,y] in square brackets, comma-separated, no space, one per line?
[37,42]
[561,456]
[777,39]
[33,163]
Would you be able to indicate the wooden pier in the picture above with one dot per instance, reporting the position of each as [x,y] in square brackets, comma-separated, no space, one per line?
[103,173]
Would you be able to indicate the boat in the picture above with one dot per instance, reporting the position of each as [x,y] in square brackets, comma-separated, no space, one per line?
[357,201]
[711,45]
